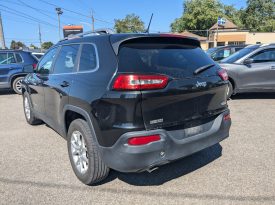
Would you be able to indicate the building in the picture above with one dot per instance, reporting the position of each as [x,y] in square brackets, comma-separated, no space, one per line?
[203,40]
[230,34]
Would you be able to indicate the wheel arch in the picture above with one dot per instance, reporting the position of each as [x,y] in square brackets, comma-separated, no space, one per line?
[71,113]
[233,82]
[13,77]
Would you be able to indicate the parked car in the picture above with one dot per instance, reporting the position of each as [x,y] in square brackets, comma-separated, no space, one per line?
[37,55]
[14,66]
[221,52]
[129,102]
[252,69]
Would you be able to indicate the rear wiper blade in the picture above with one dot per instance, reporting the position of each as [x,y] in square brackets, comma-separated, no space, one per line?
[203,68]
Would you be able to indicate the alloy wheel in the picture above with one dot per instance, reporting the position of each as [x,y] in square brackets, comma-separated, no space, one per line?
[79,152]
[18,85]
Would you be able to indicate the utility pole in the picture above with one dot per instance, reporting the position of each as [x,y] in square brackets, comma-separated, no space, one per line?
[93,21]
[2,37]
[59,13]
[40,39]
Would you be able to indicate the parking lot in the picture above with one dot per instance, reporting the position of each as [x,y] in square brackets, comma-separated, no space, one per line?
[35,167]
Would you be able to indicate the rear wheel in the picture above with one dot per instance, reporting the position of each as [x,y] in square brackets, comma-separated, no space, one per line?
[16,85]
[84,154]
[30,118]
[229,90]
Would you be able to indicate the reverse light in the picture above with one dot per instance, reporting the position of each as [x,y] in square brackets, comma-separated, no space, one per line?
[223,74]
[143,140]
[140,82]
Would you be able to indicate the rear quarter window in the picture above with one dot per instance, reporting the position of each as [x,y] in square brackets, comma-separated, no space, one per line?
[19,58]
[88,58]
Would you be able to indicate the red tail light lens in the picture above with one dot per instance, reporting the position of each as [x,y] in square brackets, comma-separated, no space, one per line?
[34,66]
[143,140]
[223,74]
[140,82]
[227,117]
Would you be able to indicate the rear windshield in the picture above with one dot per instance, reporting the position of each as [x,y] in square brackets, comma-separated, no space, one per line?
[173,60]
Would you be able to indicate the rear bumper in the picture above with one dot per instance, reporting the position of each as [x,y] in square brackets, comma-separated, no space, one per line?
[173,145]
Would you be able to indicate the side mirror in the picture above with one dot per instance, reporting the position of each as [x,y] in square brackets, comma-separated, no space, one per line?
[248,61]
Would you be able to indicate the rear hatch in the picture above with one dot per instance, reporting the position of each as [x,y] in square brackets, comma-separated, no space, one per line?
[189,97]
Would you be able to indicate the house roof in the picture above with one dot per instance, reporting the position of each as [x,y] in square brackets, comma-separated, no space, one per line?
[189,34]
[228,25]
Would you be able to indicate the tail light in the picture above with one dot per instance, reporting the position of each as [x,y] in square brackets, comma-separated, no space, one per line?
[143,140]
[223,74]
[227,117]
[34,66]
[140,82]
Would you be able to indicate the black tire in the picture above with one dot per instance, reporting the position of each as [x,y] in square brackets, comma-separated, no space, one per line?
[31,119]
[15,84]
[97,170]
[230,90]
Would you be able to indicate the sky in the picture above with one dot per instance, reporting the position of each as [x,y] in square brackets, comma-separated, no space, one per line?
[24,28]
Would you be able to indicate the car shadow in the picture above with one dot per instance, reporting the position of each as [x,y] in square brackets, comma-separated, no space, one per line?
[169,171]
[248,96]
[6,92]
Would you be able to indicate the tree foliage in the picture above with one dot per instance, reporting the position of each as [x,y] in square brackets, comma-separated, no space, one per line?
[198,15]
[259,15]
[47,45]
[17,45]
[33,46]
[130,24]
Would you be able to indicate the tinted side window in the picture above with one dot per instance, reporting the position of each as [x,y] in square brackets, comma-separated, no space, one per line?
[3,58]
[66,59]
[88,58]
[264,56]
[18,58]
[45,64]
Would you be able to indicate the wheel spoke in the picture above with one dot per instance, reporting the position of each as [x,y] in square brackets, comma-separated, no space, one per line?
[79,152]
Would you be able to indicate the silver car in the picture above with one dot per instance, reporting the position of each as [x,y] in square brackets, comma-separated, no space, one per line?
[251,69]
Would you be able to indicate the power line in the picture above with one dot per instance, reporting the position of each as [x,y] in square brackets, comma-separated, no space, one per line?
[80,14]
[24,15]
[37,9]
[8,18]
[65,9]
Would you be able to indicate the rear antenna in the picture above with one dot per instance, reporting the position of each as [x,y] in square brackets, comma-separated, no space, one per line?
[148,28]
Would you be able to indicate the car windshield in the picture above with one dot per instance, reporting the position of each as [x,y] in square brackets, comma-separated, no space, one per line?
[241,53]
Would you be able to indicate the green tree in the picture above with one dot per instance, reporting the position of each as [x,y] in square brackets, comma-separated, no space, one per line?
[233,14]
[33,46]
[47,45]
[259,15]
[198,15]
[17,45]
[130,24]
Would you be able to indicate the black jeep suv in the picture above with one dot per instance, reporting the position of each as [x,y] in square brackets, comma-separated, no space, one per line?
[130,102]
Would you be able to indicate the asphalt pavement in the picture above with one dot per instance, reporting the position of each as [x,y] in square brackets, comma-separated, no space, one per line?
[35,168]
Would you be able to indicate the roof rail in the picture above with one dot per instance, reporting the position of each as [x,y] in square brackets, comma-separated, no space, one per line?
[90,33]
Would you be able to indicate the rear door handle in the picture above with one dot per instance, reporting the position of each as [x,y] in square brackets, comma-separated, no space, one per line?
[65,84]
[272,67]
